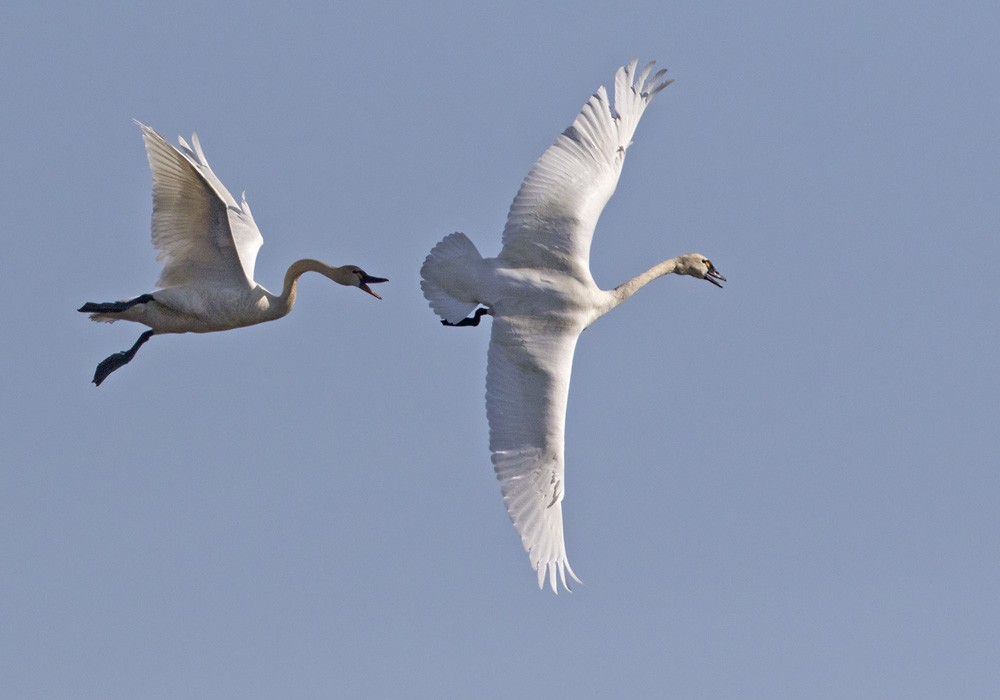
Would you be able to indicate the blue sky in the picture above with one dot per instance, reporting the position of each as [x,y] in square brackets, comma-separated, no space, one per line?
[786,488]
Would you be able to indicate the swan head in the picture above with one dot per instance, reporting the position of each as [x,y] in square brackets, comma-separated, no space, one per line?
[697,265]
[356,277]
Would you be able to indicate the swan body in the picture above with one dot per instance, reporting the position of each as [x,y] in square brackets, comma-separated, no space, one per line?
[541,296]
[208,244]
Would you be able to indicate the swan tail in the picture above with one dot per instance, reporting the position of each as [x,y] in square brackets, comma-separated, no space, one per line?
[446,277]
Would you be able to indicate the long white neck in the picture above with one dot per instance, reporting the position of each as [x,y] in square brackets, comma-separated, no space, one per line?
[625,290]
[283,304]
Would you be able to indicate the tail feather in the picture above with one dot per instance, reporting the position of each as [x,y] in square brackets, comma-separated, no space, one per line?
[445,278]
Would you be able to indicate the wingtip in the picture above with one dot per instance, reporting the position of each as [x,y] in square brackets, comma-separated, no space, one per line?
[555,572]
[197,148]
[147,130]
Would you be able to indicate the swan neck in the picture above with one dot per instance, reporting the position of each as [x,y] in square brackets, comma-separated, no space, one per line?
[625,290]
[286,301]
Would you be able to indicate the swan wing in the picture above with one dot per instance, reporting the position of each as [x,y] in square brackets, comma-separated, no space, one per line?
[201,234]
[552,219]
[527,385]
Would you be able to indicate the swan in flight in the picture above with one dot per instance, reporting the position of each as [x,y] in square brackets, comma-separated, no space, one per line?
[541,296]
[208,244]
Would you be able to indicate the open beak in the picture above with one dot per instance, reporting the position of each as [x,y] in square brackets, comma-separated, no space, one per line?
[366,280]
[714,275]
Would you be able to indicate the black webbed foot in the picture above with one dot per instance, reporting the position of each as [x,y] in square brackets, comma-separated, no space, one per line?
[114,306]
[119,359]
[471,321]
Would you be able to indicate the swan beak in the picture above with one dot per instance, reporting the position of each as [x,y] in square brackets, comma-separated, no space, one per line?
[714,275]
[366,280]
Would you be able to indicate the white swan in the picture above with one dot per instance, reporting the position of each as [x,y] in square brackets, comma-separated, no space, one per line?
[208,244]
[541,295]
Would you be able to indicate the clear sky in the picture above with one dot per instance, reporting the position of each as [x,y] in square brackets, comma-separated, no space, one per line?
[787,488]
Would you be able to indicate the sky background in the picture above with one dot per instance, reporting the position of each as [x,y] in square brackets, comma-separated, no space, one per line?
[787,488]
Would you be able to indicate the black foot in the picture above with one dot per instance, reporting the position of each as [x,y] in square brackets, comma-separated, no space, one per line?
[471,321]
[119,359]
[113,306]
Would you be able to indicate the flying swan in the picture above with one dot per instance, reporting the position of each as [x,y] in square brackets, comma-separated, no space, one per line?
[541,295]
[208,244]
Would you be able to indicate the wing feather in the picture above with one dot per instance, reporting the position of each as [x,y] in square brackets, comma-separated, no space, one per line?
[552,219]
[527,386]
[202,236]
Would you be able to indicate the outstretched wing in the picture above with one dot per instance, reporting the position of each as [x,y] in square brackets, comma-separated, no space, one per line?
[552,219]
[202,236]
[527,385]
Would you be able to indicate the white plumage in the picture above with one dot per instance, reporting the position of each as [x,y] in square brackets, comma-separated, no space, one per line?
[208,245]
[541,296]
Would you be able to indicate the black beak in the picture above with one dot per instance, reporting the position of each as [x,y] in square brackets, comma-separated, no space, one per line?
[366,280]
[714,275]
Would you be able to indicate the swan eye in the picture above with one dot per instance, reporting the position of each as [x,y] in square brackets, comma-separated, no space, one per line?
[707,263]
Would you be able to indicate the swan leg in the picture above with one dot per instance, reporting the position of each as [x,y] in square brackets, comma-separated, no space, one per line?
[114,306]
[119,359]
[471,321]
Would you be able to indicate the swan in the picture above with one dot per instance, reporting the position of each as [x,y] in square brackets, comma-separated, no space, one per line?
[208,244]
[541,296]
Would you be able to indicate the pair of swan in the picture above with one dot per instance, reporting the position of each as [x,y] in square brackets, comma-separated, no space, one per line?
[538,290]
